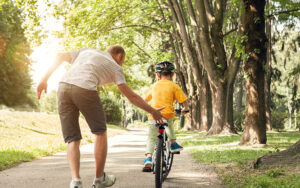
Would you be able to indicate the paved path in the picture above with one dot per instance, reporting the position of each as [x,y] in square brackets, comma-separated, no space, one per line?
[125,160]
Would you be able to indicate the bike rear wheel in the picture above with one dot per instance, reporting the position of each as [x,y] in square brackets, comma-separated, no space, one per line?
[169,162]
[159,158]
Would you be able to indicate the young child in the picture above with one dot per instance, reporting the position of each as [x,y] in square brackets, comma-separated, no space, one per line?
[163,94]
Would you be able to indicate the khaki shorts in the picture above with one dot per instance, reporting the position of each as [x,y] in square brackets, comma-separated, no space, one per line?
[71,101]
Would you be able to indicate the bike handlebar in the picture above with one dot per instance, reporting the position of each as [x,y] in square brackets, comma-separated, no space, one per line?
[178,111]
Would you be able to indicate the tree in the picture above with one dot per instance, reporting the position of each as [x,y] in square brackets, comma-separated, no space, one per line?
[254,68]
[281,13]
[15,82]
[201,29]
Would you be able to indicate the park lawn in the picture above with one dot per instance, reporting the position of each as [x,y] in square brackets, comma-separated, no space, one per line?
[25,136]
[234,163]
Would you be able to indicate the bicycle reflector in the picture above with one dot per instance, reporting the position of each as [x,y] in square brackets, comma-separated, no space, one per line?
[161,130]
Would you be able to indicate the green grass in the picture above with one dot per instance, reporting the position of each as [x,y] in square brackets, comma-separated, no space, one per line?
[234,161]
[30,135]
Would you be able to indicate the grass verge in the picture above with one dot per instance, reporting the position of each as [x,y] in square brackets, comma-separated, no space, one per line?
[30,135]
[234,162]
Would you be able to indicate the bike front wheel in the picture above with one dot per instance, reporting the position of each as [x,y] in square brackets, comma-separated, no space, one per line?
[159,156]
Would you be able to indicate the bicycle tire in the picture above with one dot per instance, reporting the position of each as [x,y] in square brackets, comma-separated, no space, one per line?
[169,162]
[159,164]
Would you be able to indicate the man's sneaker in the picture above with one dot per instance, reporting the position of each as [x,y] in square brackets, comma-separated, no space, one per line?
[109,180]
[147,164]
[176,147]
[76,184]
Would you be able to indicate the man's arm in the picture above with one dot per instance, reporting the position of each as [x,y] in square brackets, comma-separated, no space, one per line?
[60,58]
[139,102]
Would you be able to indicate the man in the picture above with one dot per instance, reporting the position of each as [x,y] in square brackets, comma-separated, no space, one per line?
[78,92]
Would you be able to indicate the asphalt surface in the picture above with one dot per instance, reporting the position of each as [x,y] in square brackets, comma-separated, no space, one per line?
[125,160]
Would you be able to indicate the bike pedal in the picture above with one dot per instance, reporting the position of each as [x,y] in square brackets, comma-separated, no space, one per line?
[147,169]
[177,152]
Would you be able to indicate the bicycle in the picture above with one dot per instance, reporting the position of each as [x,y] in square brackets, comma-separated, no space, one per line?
[163,157]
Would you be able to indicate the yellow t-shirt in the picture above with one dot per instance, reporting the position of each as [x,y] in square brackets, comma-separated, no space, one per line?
[164,93]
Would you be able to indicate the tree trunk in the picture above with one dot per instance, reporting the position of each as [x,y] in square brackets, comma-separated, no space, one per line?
[194,106]
[194,69]
[268,73]
[229,108]
[294,98]
[206,105]
[290,157]
[295,118]
[239,95]
[255,120]
[289,108]
[219,101]
[125,122]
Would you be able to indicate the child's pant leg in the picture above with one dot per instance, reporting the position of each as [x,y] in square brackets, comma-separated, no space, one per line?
[170,129]
[152,136]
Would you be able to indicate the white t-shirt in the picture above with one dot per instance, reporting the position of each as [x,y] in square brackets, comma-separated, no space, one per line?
[91,68]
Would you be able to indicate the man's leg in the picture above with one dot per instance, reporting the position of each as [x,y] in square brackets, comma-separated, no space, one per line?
[74,158]
[100,153]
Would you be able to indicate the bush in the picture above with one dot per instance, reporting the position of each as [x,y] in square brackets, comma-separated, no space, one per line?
[278,119]
[112,110]
[238,119]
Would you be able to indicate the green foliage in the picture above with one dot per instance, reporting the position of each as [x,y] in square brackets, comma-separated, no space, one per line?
[31,20]
[15,82]
[238,119]
[257,51]
[239,45]
[11,157]
[225,156]
[112,109]
[273,173]
[225,149]
[295,70]
[29,135]
[285,11]
[278,119]
[48,103]
[257,20]
[136,25]
[234,162]
[264,181]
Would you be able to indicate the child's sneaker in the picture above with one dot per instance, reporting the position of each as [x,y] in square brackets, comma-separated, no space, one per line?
[109,180]
[76,184]
[147,164]
[176,147]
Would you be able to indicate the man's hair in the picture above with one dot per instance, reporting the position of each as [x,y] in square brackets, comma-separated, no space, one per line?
[116,49]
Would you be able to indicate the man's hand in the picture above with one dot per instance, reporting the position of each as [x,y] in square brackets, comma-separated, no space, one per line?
[60,58]
[40,88]
[157,115]
[139,102]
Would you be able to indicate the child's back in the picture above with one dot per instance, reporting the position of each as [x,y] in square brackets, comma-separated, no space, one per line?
[163,94]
